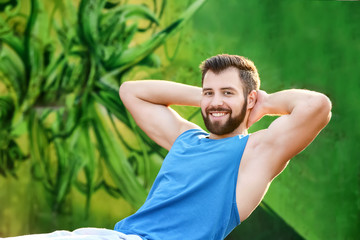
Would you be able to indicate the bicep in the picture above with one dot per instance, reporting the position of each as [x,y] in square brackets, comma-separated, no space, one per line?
[161,123]
[290,134]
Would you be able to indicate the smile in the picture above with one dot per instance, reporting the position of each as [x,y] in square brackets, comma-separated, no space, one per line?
[218,114]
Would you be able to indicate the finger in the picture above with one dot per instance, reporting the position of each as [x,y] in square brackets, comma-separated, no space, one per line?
[250,120]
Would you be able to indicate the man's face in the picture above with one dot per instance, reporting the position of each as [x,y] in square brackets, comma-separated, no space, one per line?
[223,105]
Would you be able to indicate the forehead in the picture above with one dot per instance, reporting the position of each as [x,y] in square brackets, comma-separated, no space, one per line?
[227,78]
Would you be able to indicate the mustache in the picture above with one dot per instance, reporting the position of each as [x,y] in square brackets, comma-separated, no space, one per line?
[208,110]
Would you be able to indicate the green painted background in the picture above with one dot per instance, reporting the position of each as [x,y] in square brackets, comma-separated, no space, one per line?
[295,44]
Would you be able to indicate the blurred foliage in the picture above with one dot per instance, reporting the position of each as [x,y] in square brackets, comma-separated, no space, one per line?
[61,64]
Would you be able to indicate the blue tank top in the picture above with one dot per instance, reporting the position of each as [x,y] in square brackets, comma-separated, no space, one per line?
[194,195]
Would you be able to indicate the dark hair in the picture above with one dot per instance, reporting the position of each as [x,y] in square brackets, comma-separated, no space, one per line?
[247,71]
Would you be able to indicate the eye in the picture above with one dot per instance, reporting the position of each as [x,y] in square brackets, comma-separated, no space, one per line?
[228,93]
[208,93]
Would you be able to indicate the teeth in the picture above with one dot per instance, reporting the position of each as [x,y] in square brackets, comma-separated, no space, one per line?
[218,114]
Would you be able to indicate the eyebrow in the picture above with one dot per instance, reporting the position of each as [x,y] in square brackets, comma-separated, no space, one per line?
[224,88]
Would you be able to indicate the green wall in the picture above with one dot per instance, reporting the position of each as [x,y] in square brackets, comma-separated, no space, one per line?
[299,44]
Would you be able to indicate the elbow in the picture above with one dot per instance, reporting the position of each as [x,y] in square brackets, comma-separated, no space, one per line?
[125,91]
[323,108]
[326,107]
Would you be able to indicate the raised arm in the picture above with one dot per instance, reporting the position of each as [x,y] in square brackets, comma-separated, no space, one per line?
[304,112]
[148,102]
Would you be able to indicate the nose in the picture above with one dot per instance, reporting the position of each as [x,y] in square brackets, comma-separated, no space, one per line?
[217,100]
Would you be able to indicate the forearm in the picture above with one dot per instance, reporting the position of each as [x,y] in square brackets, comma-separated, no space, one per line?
[162,92]
[285,102]
[300,103]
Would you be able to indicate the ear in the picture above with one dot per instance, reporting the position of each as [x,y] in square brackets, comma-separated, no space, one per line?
[251,99]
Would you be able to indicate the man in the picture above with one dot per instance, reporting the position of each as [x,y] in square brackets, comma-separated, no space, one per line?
[209,183]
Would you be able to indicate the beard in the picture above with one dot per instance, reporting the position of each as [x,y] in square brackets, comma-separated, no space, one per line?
[229,126]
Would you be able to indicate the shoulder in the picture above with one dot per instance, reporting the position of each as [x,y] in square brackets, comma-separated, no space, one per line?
[255,141]
[190,135]
[193,132]
[256,152]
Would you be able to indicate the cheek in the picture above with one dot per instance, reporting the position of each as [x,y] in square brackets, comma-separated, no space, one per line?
[236,106]
[203,104]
